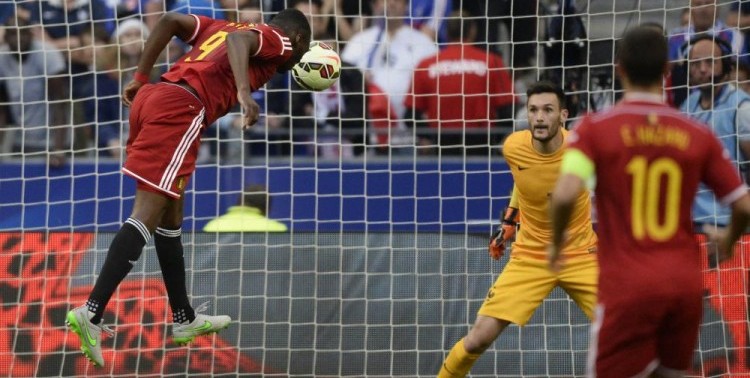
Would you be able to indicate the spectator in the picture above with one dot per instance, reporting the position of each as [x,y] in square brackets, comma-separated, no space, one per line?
[332,120]
[387,54]
[69,24]
[722,107]
[318,21]
[250,12]
[703,20]
[32,74]
[685,18]
[129,38]
[249,215]
[743,76]
[208,8]
[739,17]
[116,61]
[351,18]
[518,17]
[429,17]
[65,20]
[232,8]
[462,91]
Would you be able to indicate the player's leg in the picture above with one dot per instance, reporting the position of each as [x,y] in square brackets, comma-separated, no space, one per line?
[168,244]
[517,292]
[579,278]
[124,251]
[624,337]
[466,351]
[169,249]
[679,335]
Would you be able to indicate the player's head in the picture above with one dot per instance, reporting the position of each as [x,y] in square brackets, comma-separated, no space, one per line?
[642,57]
[297,28]
[546,110]
[709,61]
[655,25]
[255,195]
[461,27]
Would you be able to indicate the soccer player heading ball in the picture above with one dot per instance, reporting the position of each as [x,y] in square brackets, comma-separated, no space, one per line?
[228,61]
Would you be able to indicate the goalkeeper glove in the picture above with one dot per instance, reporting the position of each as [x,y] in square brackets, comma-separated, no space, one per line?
[505,231]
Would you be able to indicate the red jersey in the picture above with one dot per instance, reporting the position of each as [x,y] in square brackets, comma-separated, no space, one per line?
[460,87]
[649,159]
[206,66]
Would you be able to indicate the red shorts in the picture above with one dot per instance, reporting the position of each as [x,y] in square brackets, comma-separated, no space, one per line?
[634,334]
[166,121]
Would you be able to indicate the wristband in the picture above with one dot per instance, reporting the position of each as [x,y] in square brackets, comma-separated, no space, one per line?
[141,77]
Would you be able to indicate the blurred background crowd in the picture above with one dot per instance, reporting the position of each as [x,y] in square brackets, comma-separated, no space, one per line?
[419,77]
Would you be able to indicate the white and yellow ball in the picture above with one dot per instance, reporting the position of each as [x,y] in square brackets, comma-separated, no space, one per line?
[318,69]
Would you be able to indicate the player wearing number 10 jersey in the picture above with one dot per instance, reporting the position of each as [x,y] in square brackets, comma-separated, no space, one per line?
[227,61]
[647,160]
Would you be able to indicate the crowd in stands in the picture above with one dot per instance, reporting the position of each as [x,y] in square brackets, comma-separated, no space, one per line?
[424,77]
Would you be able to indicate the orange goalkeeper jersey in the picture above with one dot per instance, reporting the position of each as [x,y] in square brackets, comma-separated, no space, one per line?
[535,175]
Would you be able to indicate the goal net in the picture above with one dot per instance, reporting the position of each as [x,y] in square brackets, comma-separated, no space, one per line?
[384,264]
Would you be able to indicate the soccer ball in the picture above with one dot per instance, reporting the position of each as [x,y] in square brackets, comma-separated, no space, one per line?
[318,69]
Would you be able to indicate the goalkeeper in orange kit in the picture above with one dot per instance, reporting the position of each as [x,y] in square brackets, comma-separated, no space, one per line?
[534,157]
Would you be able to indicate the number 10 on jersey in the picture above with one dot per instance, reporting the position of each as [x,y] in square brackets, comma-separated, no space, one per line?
[646,202]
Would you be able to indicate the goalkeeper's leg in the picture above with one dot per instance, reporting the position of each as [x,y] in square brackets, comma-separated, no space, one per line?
[467,350]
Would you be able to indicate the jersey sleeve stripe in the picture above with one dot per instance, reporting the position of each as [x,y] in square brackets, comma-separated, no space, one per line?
[260,41]
[197,28]
[284,43]
[734,195]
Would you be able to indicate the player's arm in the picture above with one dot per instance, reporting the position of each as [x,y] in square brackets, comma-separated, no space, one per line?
[576,170]
[721,176]
[240,46]
[743,131]
[738,224]
[169,25]
[507,228]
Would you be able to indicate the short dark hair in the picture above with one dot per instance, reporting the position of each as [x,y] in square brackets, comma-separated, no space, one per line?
[548,87]
[458,25]
[255,195]
[652,24]
[292,21]
[642,55]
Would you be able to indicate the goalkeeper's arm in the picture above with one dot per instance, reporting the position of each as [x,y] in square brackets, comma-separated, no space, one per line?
[507,228]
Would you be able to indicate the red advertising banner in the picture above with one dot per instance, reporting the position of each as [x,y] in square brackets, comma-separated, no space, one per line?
[35,284]
[38,285]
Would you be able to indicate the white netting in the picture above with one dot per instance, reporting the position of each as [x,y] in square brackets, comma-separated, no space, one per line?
[384,265]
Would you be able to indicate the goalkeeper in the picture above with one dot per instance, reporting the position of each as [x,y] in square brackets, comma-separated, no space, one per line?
[534,158]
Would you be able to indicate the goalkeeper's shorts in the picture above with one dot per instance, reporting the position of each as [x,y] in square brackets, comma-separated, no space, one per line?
[525,282]
[166,122]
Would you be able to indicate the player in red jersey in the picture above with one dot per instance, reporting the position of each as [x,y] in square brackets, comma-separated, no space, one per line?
[228,61]
[647,160]
[461,91]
